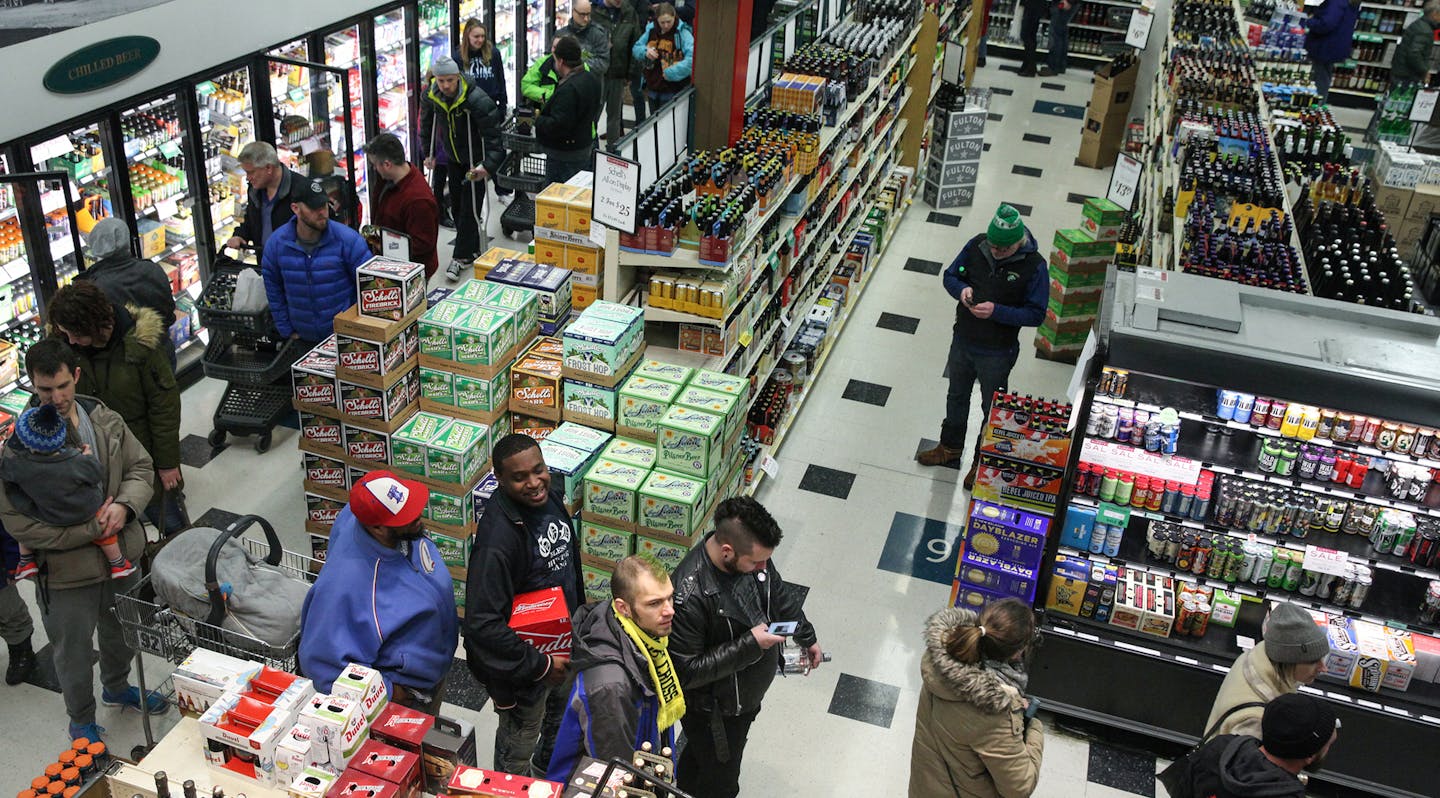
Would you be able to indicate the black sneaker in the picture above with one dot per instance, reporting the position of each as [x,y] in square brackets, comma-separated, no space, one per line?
[22,663]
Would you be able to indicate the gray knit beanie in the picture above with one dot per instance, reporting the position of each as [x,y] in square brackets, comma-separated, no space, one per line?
[444,65]
[1292,636]
[109,236]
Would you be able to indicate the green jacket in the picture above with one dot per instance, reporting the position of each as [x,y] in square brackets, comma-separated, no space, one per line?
[540,81]
[1412,55]
[68,555]
[623,26]
[132,376]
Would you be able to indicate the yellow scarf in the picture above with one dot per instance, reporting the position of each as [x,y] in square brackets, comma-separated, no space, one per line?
[662,672]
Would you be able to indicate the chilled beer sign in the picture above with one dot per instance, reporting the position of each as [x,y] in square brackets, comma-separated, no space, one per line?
[101,64]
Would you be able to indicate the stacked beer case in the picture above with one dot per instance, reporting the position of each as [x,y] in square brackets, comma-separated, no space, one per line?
[1077,279]
[955,149]
[1103,135]
[562,238]
[1022,459]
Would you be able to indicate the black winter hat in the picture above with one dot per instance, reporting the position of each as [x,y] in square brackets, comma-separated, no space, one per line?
[1297,726]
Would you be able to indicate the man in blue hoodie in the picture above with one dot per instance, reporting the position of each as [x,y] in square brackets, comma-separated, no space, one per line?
[309,266]
[1001,283]
[384,598]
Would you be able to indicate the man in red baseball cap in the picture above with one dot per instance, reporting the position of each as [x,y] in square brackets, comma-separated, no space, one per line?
[384,598]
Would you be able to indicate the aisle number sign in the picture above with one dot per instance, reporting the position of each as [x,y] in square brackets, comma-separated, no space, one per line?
[104,63]
[616,192]
[1124,181]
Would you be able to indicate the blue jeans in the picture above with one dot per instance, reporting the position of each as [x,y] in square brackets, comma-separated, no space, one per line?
[1322,73]
[659,99]
[1060,36]
[173,512]
[967,366]
[637,96]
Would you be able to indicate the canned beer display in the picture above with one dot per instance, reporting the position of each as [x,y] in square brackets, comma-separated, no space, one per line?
[1157,432]
[1306,422]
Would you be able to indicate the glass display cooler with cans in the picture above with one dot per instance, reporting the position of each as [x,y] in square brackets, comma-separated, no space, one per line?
[1237,448]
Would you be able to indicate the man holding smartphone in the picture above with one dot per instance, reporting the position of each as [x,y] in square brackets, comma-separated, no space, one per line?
[1001,283]
[727,596]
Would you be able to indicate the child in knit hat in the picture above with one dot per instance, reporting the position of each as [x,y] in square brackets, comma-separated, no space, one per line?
[58,483]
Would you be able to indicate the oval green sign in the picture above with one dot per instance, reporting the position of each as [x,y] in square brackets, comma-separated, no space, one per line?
[101,64]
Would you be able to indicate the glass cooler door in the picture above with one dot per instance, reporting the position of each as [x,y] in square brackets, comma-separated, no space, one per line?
[434,31]
[507,24]
[227,110]
[538,28]
[38,236]
[312,117]
[392,77]
[342,51]
[83,155]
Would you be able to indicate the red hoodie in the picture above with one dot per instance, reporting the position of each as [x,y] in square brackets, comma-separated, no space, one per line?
[409,207]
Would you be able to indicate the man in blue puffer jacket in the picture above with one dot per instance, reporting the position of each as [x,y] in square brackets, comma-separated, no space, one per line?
[1328,39]
[384,598]
[309,266]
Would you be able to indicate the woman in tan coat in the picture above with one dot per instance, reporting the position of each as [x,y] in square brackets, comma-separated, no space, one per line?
[1292,653]
[972,739]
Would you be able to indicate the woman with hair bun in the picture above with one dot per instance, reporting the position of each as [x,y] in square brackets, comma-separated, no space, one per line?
[973,738]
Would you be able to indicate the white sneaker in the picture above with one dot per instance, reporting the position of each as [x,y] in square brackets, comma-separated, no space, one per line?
[452,273]
[506,199]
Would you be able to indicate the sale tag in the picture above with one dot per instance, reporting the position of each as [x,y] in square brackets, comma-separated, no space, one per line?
[1124,181]
[1138,34]
[1424,107]
[770,466]
[1326,561]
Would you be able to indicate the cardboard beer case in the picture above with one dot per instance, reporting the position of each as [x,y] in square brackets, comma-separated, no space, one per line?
[542,619]
[389,289]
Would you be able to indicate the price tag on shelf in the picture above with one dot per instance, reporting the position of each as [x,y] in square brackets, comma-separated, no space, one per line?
[770,466]
[1125,180]
[167,208]
[1424,107]
[1326,561]
[1138,34]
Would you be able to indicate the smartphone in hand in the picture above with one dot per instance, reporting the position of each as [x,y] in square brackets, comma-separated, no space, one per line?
[783,628]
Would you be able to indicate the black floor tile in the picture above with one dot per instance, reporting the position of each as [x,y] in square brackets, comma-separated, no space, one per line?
[1009,68]
[462,690]
[1078,199]
[1059,109]
[926,444]
[985,147]
[1023,209]
[935,217]
[996,117]
[44,674]
[865,700]
[827,481]
[1002,92]
[923,266]
[898,323]
[215,518]
[1122,769]
[867,392]
[1025,171]
[1035,138]
[1053,86]
[196,451]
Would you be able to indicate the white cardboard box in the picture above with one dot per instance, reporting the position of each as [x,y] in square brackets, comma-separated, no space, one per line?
[206,675]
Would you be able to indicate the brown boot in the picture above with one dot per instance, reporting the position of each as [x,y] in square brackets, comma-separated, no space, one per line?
[940,455]
[969,481]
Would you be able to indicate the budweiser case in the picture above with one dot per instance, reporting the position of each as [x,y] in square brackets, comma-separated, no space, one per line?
[542,619]
[402,727]
[389,289]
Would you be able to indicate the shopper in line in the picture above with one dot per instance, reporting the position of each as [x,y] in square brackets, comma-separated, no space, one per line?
[75,591]
[480,62]
[540,80]
[124,364]
[975,733]
[626,693]
[126,279]
[565,127]
[309,267]
[1292,653]
[1058,57]
[623,28]
[266,205]
[1329,37]
[384,598]
[524,542]
[16,628]
[644,15]
[594,38]
[406,204]
[1297,731]
[667,50]
[1001,283]
[1031,12]
[727,593]
[472,138]
[1414,55]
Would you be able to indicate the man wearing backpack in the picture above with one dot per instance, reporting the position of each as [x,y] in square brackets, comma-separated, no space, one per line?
[1297,732]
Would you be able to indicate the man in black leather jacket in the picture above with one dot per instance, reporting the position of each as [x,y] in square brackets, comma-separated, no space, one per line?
[727,593]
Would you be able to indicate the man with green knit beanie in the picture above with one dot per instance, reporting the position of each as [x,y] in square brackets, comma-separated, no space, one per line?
[1000,283]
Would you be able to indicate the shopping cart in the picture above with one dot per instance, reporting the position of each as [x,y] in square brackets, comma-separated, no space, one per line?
[153,628]
[247,352]
[522,171]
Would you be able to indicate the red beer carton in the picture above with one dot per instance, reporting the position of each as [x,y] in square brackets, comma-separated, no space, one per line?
[401,768]
[389,289]
[541,619]
[402,727]
[477,781]
[353,784]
